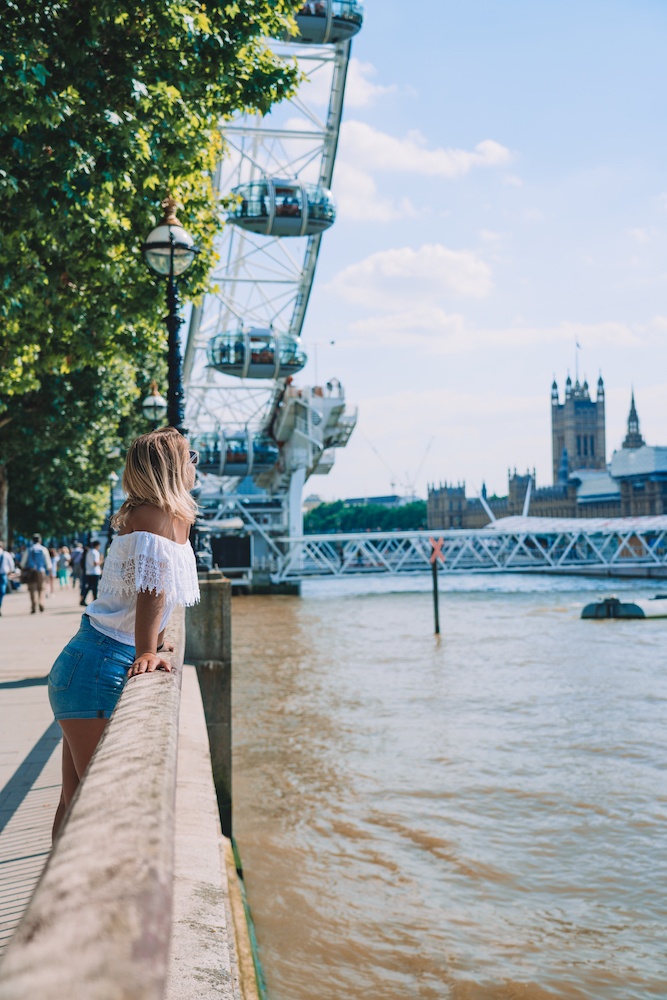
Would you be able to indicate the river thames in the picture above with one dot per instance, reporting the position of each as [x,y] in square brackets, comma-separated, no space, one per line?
[476,816]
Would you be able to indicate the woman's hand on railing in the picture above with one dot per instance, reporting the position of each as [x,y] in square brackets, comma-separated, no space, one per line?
[147,663]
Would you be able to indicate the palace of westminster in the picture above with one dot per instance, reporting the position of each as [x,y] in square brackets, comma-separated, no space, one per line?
[633,484]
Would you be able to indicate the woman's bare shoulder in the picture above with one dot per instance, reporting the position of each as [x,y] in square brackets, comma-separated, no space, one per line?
[155,520]
[148,518]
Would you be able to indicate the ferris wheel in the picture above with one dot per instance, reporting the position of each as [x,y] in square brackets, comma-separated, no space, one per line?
[244,348]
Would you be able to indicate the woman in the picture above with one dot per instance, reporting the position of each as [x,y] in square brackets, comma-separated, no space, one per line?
[63,565]
[149,569]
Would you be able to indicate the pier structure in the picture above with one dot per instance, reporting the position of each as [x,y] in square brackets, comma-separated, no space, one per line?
[259,432]
[605,547]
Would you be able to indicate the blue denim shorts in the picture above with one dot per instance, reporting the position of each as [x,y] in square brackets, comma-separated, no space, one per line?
[87,678]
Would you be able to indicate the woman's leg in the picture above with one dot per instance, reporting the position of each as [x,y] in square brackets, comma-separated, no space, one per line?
[80,738]
[70,785]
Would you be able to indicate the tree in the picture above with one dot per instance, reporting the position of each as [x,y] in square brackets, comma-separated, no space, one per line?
[107,106]
[341,517]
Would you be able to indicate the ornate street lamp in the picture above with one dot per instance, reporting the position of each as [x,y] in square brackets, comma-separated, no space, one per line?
[154,407]
[113,479]
[169,251]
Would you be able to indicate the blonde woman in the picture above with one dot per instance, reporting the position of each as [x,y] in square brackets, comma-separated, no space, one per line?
[149,570]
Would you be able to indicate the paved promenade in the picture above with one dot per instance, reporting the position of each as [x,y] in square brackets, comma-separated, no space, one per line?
[29,743]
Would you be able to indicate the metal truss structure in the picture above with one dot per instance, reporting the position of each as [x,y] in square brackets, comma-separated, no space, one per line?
[616,547]
[265,281]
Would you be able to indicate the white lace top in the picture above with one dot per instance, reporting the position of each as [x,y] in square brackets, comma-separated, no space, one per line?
[139,561]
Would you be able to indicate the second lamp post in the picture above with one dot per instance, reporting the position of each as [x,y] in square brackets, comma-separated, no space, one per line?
[169,251]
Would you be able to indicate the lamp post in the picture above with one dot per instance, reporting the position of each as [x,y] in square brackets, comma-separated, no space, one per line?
[113,479]
[154,407]
[169,251]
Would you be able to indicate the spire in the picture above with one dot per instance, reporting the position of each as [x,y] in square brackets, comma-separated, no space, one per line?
[600,387]
[633,438]
[554,391]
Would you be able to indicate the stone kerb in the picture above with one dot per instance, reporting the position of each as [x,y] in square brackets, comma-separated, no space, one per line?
[98,925]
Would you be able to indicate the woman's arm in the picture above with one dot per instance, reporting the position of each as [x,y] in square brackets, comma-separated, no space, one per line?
[149,612]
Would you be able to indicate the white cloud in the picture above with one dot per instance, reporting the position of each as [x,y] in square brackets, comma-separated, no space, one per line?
[662,200]
[357,198]
[360,90]
[511,180]
[491,236]
[433,331]
[642,234]
[395,279]
[368,148]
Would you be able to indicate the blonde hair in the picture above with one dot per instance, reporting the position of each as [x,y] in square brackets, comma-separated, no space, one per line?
[155,474]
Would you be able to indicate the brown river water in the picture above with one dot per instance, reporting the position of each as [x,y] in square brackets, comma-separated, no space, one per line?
[477,816]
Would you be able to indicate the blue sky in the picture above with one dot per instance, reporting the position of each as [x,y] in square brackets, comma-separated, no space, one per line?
[502,192]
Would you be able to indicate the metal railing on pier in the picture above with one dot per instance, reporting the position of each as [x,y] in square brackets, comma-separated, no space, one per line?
[617,546]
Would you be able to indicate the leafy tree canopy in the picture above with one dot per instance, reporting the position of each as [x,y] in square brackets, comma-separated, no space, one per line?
[108,105]
[341,517]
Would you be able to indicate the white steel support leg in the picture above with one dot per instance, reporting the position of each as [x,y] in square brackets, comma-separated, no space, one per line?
[295,501]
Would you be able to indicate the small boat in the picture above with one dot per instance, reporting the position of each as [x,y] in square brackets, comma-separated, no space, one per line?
[612,607]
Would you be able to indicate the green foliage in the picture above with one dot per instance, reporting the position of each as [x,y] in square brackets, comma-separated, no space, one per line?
[58,446]
[338,516]
[108,105]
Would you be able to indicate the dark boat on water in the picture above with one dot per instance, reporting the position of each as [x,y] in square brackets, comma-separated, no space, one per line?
[612,607]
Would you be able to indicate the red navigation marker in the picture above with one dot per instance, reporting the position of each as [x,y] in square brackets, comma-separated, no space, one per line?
[437,552]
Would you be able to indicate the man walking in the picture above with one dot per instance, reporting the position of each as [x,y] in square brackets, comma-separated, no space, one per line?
[7,566]
[37,562]
[93,572]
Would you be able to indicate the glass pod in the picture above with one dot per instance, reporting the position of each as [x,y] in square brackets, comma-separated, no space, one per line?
[273,207]
[256,353]
[235,453]
[324,21]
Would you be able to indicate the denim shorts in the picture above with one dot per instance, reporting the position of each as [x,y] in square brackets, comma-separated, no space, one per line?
[87,678]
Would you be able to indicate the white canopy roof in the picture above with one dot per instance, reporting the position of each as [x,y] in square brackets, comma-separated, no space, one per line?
[589,525]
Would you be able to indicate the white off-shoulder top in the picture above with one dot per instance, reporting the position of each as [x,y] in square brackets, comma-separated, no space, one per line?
[142,560]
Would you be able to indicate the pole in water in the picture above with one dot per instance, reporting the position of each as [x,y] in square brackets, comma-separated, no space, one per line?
[436,555]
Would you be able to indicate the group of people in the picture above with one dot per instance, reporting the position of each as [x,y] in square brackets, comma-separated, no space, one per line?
[38,567]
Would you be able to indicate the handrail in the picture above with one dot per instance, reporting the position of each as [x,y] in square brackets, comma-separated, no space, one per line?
[99,922]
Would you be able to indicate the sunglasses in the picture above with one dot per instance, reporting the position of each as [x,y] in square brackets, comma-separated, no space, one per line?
[194,457]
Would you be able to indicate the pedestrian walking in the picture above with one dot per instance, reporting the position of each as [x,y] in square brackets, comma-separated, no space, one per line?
[63,565]
[53,572]
[35,565]
[76,563]
[92,568]
[150,568]
[7,567]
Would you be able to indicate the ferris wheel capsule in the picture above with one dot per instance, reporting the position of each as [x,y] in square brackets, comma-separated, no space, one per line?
[256,353]
[328,21]
[273,207]
[236,453]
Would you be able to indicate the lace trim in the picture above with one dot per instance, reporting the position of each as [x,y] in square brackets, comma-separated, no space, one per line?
[172,573]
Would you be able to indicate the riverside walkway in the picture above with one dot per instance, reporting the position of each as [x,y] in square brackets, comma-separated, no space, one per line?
[206,920]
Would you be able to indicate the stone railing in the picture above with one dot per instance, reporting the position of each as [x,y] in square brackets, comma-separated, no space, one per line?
[98,925]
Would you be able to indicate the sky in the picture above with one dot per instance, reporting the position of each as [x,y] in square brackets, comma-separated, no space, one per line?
[501,195]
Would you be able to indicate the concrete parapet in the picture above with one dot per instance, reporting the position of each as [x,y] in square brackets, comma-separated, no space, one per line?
[98,925]
[209,648]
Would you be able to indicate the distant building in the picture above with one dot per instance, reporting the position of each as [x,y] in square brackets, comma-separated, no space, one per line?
[311,502]
[634,483]
[577,429]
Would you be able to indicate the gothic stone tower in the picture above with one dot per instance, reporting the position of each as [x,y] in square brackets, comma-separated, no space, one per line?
[578,426]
